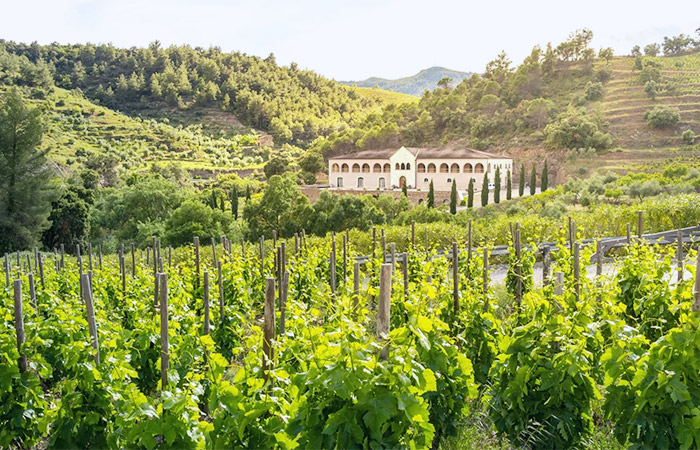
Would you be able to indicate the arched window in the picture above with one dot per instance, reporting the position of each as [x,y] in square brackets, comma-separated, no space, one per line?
[382,183]
[377,168]
[444,168]
[479,168]
[339,182]
[403,166]
[421,168]
[408,166]
[425,180]
[454,168]
[449,180]
[398,167]
[468,168]
[489,167]
[431,168]
[360,182]
[336,167]
[387,168]
[365,168]
[356,168]
[345,168]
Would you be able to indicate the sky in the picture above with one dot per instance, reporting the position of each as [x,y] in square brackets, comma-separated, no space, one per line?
[352,40]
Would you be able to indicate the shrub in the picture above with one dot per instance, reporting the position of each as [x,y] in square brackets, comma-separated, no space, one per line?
[688,137]
[574,128]
[662,117]
[650,89]
[594,91]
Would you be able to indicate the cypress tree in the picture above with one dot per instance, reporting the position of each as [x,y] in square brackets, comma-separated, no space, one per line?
[404,190]
[533,180]
[544,182]
[497,186]
[247,194]
[453,198]
[222,205]
[485,190]
[234,202]
[470,194]
[509,186]
[431,195]
[521,187]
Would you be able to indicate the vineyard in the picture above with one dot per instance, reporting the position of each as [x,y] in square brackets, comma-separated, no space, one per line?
[310,343]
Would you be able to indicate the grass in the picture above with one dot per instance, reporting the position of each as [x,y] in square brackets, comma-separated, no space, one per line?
[387,97]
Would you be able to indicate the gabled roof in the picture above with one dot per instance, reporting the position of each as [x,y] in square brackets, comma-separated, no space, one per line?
[424,153]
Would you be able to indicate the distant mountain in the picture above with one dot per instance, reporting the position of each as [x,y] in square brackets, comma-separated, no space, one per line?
[415,85]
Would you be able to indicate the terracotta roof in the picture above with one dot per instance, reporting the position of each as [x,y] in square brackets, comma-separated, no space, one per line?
[423,153]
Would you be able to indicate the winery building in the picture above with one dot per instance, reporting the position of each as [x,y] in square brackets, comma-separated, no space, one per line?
[415,167]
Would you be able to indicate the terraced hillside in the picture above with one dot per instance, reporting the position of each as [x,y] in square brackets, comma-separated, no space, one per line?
[625,101]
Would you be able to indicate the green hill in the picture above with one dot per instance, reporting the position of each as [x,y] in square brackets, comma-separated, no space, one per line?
[425,80]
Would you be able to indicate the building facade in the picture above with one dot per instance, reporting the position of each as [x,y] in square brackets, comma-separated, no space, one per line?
[416,167]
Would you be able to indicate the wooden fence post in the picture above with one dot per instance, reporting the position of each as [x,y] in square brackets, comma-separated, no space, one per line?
[404,268]
[283,300]
[206,303]
[99,255]
[221,290]
[455,278]
[393,256]
[384,309]
[213,250]
[32,291]
[133,261]
[19,325]
[599,258]
[262,257]
[383,240]
[374,240]
[90,308]
[679,255]
[268,327]
[164,338]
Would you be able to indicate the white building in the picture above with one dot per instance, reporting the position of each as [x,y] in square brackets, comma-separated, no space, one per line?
[416,167]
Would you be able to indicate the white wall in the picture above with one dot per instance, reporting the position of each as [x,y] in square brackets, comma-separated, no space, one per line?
[350,178]
[403,158]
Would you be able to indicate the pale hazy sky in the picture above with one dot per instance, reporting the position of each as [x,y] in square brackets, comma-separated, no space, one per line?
[352,40]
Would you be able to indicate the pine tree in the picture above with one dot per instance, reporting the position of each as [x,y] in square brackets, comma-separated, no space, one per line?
[431,196]
[453,198]
[234,202]
[26,192]
[485,190]
[509,186]
[544,182]
[533,180]
[497,186]
[521,187]
[470,194]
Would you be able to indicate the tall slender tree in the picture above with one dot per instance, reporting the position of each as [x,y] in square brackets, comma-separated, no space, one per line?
[544,181]
[470,194]
[521,186]
[234,202]
[509,185]
[453,198]
[533,180]
[431,195]
[485,190]
[497,186]
[25,189]
[247,194]
[404,190]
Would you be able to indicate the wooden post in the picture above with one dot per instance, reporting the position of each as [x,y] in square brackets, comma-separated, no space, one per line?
[36,258]
[599,258]
[518,267]
[404,268]
[383,239]
[283,300]
[63,257]
[546,262]
[455,278]
[469,245]
[89,306]
[196,260]
[274,238]
[99,255]
[221,290]
[29,263]
[80,273]
[89,256]
[262,256]
[164,338]
[413,234]
[696,292]
[679,255]
[345,258]
[242,248]
[356,288]
[296,243]
[333,271]
[486,278]
[170,256]
[206,303]
[577,269]
[374,240]
[213,250]
[133,261]
[427,243]
[19,325]
[32,292]
[559,283]
[122,269]
[640,224]
[268,327]
[629,234]
[393,256]
[80,259]
[571,235]
[384,309]
[7,270]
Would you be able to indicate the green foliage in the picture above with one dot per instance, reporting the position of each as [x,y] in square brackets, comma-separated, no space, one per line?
[594,91]
[453,198]
[544,181]
[688,137]
[193,218]
[574,128]
[25,190]
[431,195]
[276,166]
[279,209]
[497,186]
[533,180]
[470,194]
[662,117]
[485,190]
[650,89]
[521,184]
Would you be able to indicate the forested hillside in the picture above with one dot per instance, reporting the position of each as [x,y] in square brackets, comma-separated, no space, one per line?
[426,79]
[189,85]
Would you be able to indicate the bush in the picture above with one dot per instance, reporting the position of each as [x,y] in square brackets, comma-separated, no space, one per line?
[613,193]
[650,89]
[574,128]
[662,117]
[688,137]
[594,91]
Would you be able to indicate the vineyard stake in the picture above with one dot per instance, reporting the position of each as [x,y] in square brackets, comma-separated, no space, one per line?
[384,309]
[274,238]
[486,279]
[29,263]
[296,243]
[19,325]
[546,260]
[640,224]
[629,234]
[268,327]
[262,257]
[413,234]
[558,288]
[7,270]
[332,271]
[374,240]
[577,269]
[393,256]
[455,278]
[284,291]
[133,261]
[356,288]
[383,240]
[404,268]
[518,267]
[679,255]
[99,254]
[206,303]
[32,292]
[469,245]
[221,290]
[36,257]
[170,256]
[80,273]
[213,249]
[599,258]
[63,257]
[164,339]
[89,256]
[86,287]
[196,260]
[696,293]
[345,258]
